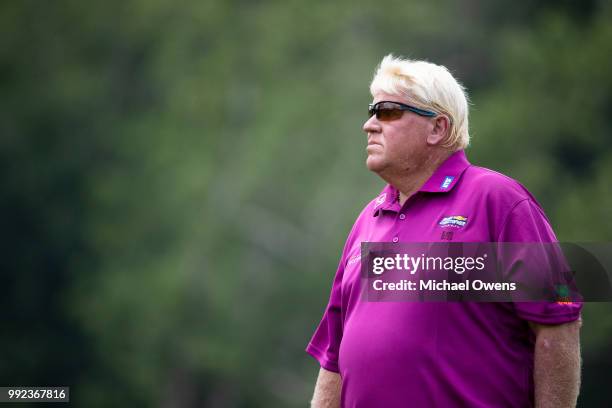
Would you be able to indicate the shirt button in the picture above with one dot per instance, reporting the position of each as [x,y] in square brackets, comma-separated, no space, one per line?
[395,239]
[402,216]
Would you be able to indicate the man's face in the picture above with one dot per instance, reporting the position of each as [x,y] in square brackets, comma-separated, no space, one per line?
[398,146]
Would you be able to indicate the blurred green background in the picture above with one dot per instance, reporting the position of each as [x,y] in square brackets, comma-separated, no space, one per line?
[178,178]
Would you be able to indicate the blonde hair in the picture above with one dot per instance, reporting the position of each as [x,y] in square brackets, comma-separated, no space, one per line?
[428,86]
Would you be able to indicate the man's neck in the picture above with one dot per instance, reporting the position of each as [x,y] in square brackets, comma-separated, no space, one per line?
[410,183]
[408,187]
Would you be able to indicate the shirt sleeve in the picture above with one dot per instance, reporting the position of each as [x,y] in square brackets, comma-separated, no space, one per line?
[526,223]
[325,342]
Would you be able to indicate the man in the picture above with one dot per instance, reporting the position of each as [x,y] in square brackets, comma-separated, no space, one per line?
[439,354]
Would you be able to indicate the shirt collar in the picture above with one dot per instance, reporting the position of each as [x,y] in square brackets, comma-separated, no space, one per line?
[444,178]
[447,175]
[387,200]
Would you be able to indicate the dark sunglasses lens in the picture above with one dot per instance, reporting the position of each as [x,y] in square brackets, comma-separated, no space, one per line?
[389,113]
[385,111]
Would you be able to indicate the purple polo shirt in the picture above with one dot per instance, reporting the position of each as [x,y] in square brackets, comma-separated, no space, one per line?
[437,354]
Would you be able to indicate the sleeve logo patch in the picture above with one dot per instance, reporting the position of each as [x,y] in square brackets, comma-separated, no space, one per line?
[457,221]
[354,259]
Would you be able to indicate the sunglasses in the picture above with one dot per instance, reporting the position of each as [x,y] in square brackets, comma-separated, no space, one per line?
[387,110]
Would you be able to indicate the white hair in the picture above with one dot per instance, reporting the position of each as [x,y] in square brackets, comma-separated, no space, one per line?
[427,86]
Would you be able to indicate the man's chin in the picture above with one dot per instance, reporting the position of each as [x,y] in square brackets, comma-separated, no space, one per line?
[374,165]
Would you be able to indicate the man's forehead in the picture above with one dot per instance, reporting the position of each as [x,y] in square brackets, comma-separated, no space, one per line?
[381,96]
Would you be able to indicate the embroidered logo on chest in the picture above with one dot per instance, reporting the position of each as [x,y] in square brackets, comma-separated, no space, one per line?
[456,221]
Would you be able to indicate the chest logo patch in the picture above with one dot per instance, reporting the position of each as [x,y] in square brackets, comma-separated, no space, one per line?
[457,221]
[447,182]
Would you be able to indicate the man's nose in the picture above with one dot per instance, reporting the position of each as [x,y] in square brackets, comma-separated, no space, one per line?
[372,125]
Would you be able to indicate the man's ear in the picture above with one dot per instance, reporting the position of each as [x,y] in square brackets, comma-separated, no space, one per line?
[439,131]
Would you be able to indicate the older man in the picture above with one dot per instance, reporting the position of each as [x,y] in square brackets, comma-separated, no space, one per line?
[428,354]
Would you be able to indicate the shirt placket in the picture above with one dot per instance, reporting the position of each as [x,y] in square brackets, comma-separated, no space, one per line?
[402,217]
